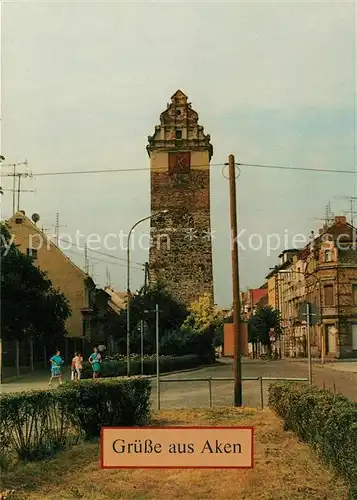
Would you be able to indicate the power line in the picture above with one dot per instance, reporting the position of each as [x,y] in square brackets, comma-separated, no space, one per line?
[100,253]
[304,169]
[106,261]
[115,170]
[252,165]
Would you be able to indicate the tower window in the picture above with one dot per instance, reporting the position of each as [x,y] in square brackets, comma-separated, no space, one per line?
[178,134]
[328,255]
[18,220]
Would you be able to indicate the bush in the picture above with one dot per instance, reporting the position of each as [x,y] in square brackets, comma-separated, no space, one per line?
[117,367]
[35,425]
[95,404]
[326,421]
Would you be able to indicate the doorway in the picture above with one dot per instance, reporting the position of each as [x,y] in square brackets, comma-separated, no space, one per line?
[330,339]
[354,336]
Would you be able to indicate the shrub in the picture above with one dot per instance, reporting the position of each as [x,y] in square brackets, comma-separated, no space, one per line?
[35,425]
[326,421]
[95,404]
[117,367]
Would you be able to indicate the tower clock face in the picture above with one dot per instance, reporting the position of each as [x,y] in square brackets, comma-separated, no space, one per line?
[179,162]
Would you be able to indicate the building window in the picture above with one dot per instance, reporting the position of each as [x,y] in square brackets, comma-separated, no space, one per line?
[18,220]
[328,255]
[32,252]
[354,294]
[328,295]
[178,134]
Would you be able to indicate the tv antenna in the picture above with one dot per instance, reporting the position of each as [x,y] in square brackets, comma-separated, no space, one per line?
[17,190]
[57,228]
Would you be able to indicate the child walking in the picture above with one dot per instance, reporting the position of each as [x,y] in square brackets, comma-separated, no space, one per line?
[77,366]
[56,368]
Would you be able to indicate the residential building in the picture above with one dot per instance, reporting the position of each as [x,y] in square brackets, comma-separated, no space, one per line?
[88,303]
[117,300]
[251,299]
[324,273]
[181,251]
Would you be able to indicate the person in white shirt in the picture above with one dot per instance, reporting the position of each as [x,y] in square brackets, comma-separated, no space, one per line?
[77,366]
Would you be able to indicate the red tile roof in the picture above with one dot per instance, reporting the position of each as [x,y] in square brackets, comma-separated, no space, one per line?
[257,294]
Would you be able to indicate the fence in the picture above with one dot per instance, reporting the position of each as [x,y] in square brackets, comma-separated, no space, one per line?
[19,358]
[225,379]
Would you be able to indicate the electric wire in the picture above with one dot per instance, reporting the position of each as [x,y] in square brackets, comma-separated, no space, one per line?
[146,169]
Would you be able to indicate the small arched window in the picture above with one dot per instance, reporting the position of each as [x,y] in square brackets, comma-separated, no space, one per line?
[328,255]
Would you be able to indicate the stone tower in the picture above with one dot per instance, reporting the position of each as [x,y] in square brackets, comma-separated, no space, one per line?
[180,154]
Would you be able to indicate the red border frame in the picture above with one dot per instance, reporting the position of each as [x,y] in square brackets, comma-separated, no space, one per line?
[251,428]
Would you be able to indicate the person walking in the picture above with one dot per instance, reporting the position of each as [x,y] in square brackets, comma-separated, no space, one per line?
[56,368]
[77,366]
[95,360]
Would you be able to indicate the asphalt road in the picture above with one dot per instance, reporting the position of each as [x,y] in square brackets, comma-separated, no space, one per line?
[190,394]
[194,394]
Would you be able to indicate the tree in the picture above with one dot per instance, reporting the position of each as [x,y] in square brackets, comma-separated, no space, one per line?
[200,327]
[262,323]
[142,307]
[203,315]
[30,306]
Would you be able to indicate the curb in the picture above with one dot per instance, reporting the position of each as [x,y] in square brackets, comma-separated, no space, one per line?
[186,370]
[15,379]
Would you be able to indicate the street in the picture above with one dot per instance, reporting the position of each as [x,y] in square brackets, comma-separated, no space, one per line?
[196,394]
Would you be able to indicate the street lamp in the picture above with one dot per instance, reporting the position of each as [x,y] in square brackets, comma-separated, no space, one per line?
[308,311]
[128,286]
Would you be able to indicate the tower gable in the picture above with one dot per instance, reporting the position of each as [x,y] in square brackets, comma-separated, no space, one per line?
[179,128]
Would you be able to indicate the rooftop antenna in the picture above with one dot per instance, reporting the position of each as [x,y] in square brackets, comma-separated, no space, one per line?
[86,261]
[57,228]
[17,190]
[108,283]
[329,215]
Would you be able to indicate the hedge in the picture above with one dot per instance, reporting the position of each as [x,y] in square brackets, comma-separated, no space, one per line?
[118,367]
[325,420]
[36,424]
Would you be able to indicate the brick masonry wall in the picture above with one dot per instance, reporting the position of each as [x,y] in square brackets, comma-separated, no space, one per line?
[181,253]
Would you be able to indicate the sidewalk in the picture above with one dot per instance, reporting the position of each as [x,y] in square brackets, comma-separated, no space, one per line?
[343,366]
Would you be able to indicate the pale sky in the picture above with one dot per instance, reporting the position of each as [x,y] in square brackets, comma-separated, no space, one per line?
[84,83]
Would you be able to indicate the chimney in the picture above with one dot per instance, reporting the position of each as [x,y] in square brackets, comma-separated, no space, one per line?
[340,219]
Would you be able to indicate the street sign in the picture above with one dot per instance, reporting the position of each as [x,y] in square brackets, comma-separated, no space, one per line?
[308,312]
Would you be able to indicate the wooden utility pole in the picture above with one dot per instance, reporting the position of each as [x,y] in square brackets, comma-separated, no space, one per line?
[235,278]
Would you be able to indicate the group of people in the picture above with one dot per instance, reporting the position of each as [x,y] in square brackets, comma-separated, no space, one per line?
[95,359]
